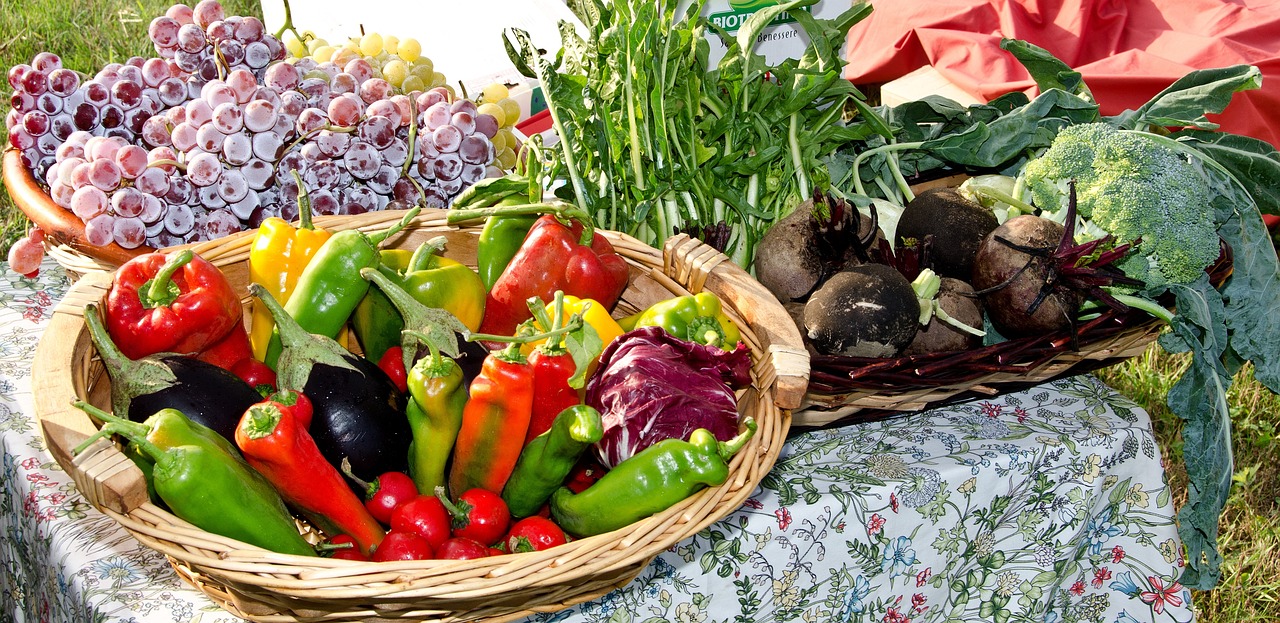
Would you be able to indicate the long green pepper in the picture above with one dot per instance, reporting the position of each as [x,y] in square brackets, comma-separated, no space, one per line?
[546,461]
[213,489]
[330,287]
[438,397]
[650,482]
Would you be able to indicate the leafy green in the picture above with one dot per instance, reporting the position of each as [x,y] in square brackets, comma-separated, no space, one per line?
[1222,328]
[655,140]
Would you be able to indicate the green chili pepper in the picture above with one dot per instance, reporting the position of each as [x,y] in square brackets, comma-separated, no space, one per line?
[693,317]
[649,482]
[204,484]
[547,460]
[432,280]
[435,415]
[330,287]
[499,241]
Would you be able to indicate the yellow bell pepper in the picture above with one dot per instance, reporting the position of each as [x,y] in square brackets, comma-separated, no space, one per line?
[595,315]
[279,253]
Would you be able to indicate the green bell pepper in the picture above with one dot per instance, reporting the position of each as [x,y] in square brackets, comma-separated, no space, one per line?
[692,317]
[546,461]
[432,280]
[649,482]
[205,484]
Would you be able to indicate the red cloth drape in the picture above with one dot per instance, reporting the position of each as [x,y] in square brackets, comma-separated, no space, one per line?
[1128,50]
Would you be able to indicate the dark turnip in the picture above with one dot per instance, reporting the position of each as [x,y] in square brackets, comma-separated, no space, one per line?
[866,311]
[956,225]
[957,299]
[1013,281]
[821,237]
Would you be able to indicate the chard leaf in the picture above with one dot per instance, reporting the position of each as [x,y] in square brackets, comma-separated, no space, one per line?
[1046,69]
[747,34]
[1187,100]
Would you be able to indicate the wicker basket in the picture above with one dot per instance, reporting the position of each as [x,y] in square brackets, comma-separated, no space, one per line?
[265,586]
[859,389]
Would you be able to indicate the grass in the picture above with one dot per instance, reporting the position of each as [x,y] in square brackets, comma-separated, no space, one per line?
[87,35]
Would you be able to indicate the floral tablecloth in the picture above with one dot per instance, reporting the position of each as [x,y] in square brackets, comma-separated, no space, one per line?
[1044,505]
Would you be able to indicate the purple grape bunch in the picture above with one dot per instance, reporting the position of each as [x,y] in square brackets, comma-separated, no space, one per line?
[206,140]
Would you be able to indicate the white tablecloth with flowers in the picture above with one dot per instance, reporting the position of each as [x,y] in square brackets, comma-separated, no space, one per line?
[1045,505]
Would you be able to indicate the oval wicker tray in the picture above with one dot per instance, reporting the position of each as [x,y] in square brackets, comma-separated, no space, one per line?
[265,586]
[64,231]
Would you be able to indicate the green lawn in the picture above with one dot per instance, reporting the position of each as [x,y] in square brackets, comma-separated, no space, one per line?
[89,34]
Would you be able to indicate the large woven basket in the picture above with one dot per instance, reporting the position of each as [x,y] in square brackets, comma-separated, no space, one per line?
[265,586]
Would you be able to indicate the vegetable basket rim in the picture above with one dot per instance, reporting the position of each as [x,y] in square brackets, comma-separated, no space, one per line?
[266,586]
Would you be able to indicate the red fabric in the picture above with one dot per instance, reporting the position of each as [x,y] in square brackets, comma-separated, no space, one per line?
[1133,48]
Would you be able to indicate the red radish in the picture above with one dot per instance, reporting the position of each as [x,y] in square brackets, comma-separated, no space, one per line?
[424,515]
[462,548]
[402,546]
[478,514]
[385,494]
[534,534]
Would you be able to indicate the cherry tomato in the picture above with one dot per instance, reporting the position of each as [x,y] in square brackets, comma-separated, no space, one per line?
[402,546]
[424,515]
[392,362]
[385,494]
[462,548]
[258,375]
[534,534]
[478,514]
[345,553]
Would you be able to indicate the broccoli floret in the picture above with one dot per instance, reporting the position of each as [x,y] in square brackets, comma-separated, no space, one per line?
[1133,188]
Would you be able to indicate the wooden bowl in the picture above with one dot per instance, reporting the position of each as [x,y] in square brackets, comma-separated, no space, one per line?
[265,586]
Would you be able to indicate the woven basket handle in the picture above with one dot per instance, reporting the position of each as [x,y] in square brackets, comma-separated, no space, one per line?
[106,477]
[700,267]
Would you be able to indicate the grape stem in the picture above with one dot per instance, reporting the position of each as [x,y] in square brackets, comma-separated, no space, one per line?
[327,126]
[167,162]
[288,24]
[413,137]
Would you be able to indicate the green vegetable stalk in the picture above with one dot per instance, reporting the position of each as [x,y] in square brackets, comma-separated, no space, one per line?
[655,140]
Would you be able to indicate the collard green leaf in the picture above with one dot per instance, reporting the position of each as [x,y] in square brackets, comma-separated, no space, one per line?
[1254,162]
[1188,99]
[1199,397]
[1046,69]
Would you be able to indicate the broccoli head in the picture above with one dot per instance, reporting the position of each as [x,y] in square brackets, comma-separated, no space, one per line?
[1132,187]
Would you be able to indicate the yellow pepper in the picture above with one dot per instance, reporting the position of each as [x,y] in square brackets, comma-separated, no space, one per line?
[279,253]
[595,315]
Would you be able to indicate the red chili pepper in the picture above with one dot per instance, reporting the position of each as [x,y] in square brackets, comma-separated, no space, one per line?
[392,362]
[343,547]
[258,375]
[478,514]
[554,256]
[534,534]
[386,493]
[301,405]
[176,303]
[494,422]
[551,391]
[426,516]
[233,348]
[403,546]
[276,444]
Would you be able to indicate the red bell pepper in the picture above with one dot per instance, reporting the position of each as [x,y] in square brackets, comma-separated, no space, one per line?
[233,348]
[554,256]
[494,422]
[280,448]
[175,302]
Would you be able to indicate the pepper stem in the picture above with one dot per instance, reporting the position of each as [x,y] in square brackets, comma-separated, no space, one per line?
[457,512]
[304,203]
[422,256]
[261,420]
[112,424]
[562,210]
[160,291]
[368,487]
[731,447]
[376,239]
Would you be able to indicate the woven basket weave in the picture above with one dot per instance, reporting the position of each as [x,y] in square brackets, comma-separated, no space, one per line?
[265,586]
